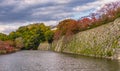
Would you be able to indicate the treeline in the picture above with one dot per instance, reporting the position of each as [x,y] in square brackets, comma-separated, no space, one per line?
[106,14]
[29,37]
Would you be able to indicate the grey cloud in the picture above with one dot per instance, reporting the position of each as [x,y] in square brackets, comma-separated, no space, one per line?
[19,11]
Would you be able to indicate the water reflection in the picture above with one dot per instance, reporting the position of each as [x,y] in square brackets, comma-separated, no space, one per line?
[51,61]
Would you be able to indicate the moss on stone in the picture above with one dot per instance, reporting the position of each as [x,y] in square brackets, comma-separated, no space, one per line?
[100,41]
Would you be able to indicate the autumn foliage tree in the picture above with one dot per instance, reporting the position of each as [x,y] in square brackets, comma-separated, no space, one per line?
[106,14]
[66,27]
[110,12]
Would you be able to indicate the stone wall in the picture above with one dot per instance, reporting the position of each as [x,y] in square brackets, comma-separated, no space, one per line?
[44,46]
[116,54]
[100,41]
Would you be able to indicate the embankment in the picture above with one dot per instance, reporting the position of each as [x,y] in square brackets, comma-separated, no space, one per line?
[99,42]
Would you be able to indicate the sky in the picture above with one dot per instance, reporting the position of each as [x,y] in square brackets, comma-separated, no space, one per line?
[16,13]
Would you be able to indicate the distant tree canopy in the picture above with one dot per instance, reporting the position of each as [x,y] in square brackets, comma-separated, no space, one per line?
[3,37]
[31,35]
[49,36]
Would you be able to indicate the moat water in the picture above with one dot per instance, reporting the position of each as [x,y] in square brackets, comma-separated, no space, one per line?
[52,61]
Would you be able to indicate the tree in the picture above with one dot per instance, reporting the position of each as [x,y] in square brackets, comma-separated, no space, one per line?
[49,36]
[13,35]
[3,37]
[33,42]
[30,36]
[66,27]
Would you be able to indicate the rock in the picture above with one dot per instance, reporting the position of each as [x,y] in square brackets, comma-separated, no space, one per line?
[44,46]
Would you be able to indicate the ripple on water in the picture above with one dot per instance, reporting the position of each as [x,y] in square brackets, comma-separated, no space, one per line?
[51,61]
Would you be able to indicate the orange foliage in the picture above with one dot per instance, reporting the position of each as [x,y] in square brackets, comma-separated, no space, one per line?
[57,34]
[66,27]
[106,14]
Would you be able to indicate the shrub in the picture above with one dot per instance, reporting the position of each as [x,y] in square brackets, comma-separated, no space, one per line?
[19,42]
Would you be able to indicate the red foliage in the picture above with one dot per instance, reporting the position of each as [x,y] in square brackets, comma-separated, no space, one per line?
[57,34]
[84,23]
[66,27]
[106,14]
[110,11]
[6,46]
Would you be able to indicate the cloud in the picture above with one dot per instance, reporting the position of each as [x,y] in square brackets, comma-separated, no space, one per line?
[93,5]
[7,28]
[15,13]
[23,4]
